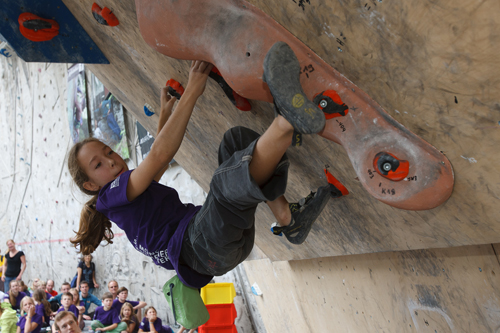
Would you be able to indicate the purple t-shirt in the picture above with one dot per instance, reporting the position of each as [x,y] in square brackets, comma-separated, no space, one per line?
[35,319]
[154,223]
[40,310]
[19,298]
[117,305]
[157,324]
[72,308]
[107,318]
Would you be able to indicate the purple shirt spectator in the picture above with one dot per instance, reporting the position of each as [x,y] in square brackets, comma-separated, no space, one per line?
[107,318]
[72,308]
[35,319]
[40,310]
[19,298]
[117,305]
[154,223]
[157,324]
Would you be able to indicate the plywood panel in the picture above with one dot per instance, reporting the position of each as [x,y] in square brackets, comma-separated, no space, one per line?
[407,60]
[445,290]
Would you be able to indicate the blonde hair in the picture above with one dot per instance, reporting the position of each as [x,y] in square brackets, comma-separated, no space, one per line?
[132,317]
[7,243]
[94,226]
[77,302]
[25,299]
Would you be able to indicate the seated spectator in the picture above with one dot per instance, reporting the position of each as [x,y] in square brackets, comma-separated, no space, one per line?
[67,305]
[106,319]
[50,288]
[113,288]
[14,296]
[42,306]
[43,285]
[88,299]
[2,259]
[30,321]
[151,323]
[8,318]
[76,299]
[34,285]
[65,287]
[128,317]
[122,298]
[66,322]
[24,288]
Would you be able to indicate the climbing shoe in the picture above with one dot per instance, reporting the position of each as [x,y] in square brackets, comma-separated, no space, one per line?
[304,214]
[282,75]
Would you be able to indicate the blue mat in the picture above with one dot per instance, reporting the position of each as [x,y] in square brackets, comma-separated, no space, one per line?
[72,45]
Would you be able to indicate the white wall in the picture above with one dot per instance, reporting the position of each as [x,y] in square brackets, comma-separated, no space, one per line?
[39,205]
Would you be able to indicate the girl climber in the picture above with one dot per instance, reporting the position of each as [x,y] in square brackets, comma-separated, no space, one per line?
[201,241]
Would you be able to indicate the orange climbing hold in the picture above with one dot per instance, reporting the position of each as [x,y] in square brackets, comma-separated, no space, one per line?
[175,89]
[390,167]
[37,29]
[331,104]
[104,15]
[337,189]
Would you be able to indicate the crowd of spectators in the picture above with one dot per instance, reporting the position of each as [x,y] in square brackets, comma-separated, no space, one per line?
[31,309]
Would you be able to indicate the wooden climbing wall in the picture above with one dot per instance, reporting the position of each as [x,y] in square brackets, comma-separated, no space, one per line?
[441,290]
[433,66]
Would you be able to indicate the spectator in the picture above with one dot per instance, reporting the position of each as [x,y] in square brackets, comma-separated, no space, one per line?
[85,271]
[34,285]
[88,299]
[113,288]
[65,287]
[8,318]
[2,259]
[42,285]
[14,266]
[76,298]
[106,319]
[128,317]
[152,324]
[14,296]
[42,306]
[31,322]
[66,322]
[50,288]
[122,298]
[67,305]
[24,288]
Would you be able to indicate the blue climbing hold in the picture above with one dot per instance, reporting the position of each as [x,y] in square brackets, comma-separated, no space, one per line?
[148,110]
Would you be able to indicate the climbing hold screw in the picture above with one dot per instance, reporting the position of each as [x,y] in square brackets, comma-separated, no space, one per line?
[387,166]
[323,103]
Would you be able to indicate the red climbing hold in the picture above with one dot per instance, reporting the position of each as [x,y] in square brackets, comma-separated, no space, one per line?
[331,104]
[336,187]
[104,16]
[37,29]
[389,166]
[175,89]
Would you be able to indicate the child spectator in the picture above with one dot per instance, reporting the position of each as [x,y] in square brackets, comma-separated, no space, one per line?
[30,321]
[88,299]
[34,285]
[122,298]
[24,288]
[128,317]
[43,285]
[106,319]
[8,318]
[151,323]
[67,305]
[42,306]
[14,296]
[50,288]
